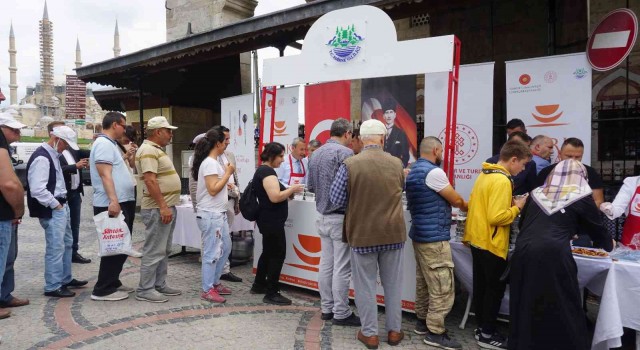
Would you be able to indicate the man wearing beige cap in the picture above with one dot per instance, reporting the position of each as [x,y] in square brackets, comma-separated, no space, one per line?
[160,194]
[369,185]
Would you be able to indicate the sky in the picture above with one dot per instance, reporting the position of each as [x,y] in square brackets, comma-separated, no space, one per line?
[141,24]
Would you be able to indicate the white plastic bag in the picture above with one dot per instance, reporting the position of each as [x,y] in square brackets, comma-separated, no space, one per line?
[113,235]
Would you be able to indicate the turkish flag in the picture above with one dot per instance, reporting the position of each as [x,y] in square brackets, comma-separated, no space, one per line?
[2,98]
[325,103]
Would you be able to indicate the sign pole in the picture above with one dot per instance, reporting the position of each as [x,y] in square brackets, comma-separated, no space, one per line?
[452,114]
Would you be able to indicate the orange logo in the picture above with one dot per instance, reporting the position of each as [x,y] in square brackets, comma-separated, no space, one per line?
[280,127]
[310,256]
[270,103]
[524,79]
[547,115]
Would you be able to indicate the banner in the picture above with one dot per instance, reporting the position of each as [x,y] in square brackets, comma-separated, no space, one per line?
[285,127]
[75,98]
[325,103]
[237,115]
[475,119]
[393,101]
[552,96]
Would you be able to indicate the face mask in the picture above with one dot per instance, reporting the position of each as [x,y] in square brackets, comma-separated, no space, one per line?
[55,145]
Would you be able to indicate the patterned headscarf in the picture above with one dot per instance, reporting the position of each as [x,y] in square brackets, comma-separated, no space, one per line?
[564,186]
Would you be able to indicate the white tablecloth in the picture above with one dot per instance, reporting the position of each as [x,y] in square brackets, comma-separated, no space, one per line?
[187,232]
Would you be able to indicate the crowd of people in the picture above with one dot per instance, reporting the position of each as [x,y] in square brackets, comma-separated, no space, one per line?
[359,199]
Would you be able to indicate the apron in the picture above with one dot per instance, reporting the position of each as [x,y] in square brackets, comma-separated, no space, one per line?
[296,178]
[632,223]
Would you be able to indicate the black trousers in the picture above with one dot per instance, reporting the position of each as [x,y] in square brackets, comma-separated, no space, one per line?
[111,266]
[274,251]
[488,290]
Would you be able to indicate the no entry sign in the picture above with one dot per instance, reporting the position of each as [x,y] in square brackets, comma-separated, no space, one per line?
[612,40]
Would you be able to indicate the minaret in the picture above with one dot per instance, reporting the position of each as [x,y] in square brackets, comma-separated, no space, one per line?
[13,68]
[78,54]
[116,42]
[46,58]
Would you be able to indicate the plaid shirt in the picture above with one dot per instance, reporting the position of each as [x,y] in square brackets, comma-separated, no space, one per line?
[339,196]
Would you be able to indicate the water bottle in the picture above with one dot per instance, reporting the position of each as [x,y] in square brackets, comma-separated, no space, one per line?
[462,220]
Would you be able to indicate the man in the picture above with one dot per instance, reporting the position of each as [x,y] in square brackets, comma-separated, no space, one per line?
[161,193]
[514,125]
[525,181]
[295,167]
[11,212]
[356,144]
[429,199]
[313,146]
[492,209]
[113,191]
[71,168]
[335,266]
[374,229]
[396,142]
[233,204]
[47,201]
[542,150]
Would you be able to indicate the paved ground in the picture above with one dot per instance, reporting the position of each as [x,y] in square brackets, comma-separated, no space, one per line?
[186,321]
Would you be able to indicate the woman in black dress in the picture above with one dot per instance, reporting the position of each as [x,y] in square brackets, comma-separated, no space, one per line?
[274,209]
[546,311]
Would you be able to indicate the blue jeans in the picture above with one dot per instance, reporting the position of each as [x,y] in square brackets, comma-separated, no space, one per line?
[214,226]
[57,258]
[74,200]
[8,281]
[6,231]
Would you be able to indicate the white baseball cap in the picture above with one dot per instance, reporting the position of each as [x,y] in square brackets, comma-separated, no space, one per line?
[67,134]
[373,127]
[198,137]
[158,123]
[8,120]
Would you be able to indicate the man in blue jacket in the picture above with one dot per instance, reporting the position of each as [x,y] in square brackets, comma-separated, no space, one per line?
[430,197]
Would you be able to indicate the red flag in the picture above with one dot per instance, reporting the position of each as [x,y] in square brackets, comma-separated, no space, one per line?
[325,103]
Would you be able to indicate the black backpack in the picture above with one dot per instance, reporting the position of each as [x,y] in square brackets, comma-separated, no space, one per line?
[249,206]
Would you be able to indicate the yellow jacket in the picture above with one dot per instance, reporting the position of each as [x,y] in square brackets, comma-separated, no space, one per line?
[490,212]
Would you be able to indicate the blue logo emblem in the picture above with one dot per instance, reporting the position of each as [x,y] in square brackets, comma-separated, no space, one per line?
[580,73]
[344,44]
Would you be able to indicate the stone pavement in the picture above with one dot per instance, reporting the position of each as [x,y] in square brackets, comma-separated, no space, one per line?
[186,321]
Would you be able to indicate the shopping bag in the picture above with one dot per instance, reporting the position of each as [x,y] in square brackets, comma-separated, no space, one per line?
[114,237]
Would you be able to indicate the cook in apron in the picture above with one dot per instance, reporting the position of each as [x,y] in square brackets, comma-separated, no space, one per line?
[296,178]
[632,223]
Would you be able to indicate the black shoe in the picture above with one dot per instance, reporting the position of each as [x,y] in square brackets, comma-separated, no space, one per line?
[61,292]
[421,327]
[495,342]
[327,316]
[351,321]
[79,259]
[441,341]
[258,289]
[276,299]
[230,277]
[75,284]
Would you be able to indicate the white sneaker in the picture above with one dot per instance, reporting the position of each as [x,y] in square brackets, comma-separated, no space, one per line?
[135,254]
[126,289]
[115,296]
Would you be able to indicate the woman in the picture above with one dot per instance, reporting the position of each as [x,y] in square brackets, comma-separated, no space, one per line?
[627,202]
[211,213]
[128,147]
[274,210]
[546,311]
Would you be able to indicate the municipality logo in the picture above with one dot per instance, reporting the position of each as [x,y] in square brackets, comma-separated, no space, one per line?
[344,44]
[580,73]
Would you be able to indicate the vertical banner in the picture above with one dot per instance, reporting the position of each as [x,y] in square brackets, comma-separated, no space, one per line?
[392,100]
[552,96]
[325,103]
[237,115]
[285,126]
[475,119]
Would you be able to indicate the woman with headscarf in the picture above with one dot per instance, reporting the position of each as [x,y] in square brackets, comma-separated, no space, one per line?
[546,311]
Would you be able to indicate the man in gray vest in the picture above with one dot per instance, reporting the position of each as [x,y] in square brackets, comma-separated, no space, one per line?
[429,199]
[370,186]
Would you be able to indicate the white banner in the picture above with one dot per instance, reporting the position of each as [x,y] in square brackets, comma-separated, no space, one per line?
[237,115]
[475,119]
[285,127]
[552,96]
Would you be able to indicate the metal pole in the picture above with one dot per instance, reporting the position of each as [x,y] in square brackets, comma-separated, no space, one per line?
[141,107]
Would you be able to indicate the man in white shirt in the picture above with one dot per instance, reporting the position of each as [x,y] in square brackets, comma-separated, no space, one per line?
[295,167]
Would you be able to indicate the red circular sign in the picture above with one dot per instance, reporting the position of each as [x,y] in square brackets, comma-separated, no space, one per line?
[612,40]
[524,79]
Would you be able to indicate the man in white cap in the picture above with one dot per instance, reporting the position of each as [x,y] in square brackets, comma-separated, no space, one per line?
[369,185]
[11,211]
[47,201]
[160,195]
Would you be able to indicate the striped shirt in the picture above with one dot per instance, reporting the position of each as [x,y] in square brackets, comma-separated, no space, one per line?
[150,158]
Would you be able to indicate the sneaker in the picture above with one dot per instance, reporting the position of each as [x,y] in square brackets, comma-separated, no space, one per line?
[168,291]
[115,296]
[476,333]
[351,321]
[276,299]
[222,290]
[496,342]
[441,341]
[152,296]
[421,327]
[258,289]
[135,254]
[326,316]
[230,277]
[212,296]
[125,289]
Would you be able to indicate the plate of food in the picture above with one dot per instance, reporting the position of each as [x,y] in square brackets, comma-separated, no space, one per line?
[592,253]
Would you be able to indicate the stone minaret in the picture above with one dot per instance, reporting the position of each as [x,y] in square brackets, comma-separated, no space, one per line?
[116,42]
[78,54]
[46,58]
[13,68]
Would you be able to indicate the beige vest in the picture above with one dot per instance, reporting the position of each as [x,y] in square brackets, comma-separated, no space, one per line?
[374,214]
